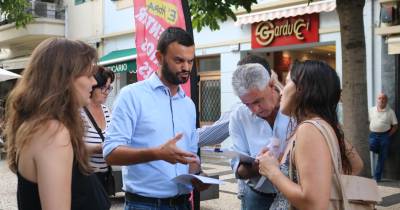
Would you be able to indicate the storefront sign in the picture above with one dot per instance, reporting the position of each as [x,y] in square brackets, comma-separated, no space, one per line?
[285,31]
[152,17]
[129,66]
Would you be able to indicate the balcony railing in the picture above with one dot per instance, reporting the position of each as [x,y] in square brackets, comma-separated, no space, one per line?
[40,9]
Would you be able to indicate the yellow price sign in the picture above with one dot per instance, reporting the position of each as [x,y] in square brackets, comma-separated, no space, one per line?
[164,10]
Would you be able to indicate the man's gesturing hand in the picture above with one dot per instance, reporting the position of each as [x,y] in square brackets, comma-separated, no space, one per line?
[172,154]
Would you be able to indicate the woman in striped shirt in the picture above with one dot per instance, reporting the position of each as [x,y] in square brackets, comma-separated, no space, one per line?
[101,115]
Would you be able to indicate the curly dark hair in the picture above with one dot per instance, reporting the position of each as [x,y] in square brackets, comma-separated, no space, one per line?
[102,75]
[318,92]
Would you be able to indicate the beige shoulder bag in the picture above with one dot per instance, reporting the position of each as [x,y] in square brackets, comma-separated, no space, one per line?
[348,192]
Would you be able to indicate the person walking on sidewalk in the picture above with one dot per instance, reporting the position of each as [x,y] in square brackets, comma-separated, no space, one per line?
[383,124]
[153,130]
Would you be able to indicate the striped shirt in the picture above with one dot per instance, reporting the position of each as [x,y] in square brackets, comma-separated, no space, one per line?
[92,137]
[217,132]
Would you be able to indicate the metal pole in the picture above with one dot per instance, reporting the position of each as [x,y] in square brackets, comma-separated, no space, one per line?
[193,90]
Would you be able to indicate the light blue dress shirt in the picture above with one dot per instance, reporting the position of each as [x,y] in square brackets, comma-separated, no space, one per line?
[145,115]
[250,134]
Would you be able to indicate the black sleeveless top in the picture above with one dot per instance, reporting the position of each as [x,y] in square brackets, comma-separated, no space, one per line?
[87,193]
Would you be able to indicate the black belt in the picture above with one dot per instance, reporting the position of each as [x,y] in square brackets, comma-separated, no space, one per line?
[267,195]
[172,201]
[380,133]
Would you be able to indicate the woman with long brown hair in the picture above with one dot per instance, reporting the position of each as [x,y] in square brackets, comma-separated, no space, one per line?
[44,129]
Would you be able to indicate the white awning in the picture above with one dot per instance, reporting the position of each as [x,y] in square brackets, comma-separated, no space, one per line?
[301,9]
[7,75]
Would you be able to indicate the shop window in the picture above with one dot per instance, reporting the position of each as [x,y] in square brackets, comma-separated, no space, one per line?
[79,2]
[209,64]
[209,89]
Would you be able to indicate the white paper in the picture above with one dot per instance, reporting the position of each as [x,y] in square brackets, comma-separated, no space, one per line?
[187,178]
[244,158]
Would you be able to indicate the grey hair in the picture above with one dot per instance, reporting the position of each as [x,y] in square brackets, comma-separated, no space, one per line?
[249,76]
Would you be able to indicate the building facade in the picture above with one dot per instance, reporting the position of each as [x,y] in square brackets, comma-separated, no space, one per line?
[16,44]
[387,31]
[216,58]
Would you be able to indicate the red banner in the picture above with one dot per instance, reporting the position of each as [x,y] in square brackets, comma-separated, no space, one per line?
[152,17]
[285,31]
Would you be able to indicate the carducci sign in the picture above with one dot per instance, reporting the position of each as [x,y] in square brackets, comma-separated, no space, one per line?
[285,31]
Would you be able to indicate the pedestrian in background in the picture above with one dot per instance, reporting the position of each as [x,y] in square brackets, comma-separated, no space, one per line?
[97,118]
[44,129]
[383,124]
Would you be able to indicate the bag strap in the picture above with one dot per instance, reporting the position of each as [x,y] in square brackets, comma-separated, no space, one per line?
[97,129]
[94,123]
[291,168]
[329,139]
[291,173]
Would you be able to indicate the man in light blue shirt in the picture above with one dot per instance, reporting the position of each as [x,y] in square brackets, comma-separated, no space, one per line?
[152,131]
[252,127]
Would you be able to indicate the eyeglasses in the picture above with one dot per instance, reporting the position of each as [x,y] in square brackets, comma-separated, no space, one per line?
[106,89]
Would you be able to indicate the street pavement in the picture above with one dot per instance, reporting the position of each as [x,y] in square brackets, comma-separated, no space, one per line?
[213,164]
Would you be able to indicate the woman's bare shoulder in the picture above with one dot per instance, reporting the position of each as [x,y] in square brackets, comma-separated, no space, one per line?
[51,134]
[309,135]
[307,129]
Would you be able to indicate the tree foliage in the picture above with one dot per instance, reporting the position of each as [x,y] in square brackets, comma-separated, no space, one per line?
[209,12]
[15,11]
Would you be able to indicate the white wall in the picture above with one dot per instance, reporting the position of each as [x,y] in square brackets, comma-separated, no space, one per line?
[373,45]
[229,33]
[84,21]
[119,43]
[117,20]
[328,19]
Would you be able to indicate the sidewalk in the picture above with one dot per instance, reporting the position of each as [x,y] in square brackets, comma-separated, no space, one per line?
[212,164]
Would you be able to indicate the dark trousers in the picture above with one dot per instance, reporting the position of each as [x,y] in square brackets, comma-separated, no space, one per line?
[379,143]
[101,176]
[137,202]
[252,200]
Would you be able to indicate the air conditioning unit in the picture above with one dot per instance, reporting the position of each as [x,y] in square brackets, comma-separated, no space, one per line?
[44,9]
[387,14]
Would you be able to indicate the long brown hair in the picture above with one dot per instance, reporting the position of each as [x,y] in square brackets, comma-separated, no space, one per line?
[318,92]
[46,92]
